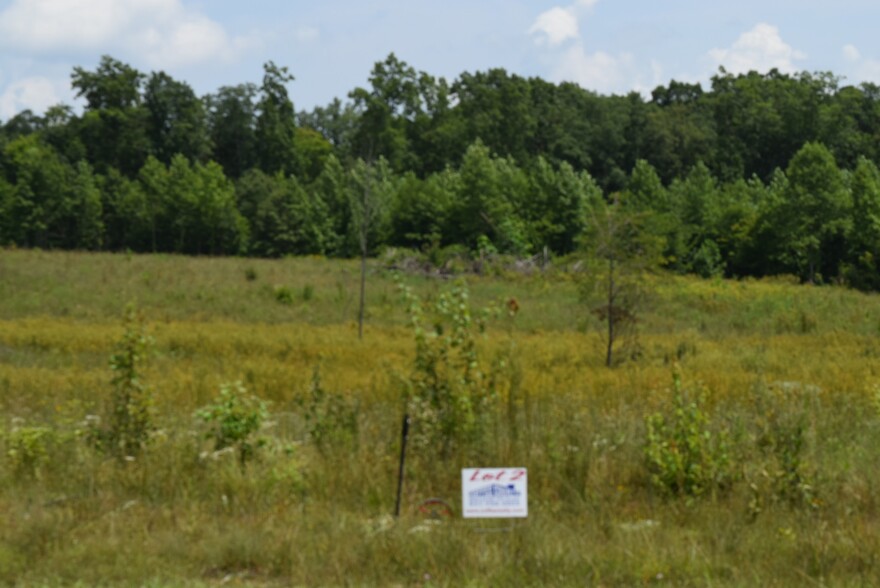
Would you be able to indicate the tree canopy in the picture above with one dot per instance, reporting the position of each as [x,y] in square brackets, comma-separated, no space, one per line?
[756,174]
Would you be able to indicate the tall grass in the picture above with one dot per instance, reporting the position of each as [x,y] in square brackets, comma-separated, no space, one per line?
[789,376]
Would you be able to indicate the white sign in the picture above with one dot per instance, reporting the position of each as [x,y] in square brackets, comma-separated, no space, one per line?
[494,493]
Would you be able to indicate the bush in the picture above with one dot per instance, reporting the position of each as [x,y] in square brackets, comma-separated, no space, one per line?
[283,294]
[233,418]
[331,419]
[27,448]
[450,394]
[684,455]
[129,422]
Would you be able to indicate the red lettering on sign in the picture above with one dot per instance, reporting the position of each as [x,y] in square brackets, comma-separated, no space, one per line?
[518,475]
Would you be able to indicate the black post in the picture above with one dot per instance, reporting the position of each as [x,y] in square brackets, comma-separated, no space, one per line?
[404,433]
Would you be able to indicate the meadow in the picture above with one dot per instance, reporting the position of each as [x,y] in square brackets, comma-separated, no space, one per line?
[738,447]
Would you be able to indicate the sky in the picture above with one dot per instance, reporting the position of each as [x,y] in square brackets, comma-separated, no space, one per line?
[330,46]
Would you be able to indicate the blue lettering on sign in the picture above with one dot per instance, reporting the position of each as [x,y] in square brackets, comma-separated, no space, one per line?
[495,495]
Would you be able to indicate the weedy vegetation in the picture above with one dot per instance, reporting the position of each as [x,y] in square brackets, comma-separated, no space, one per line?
[241,437]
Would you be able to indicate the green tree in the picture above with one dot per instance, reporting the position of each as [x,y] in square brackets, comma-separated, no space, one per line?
[114,125]
[231,123]
[39,209]
[864,270]
[817,213]
[276,122]
[126,216]
[177,121]
[369,195]
[332,187]
[419,209]
[558,206]
[284,217]
[87,209]
[621,252]
[485,205]
[385,110]
[154,181]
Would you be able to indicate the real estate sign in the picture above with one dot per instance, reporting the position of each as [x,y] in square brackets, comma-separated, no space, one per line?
[494,493]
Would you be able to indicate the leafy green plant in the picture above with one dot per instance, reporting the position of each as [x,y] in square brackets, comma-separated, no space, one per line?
[683,454]
[130,416]
[283,294]
[233,418]
[308,292]
[450,394]
[331,419]
[783,435]
[27,448]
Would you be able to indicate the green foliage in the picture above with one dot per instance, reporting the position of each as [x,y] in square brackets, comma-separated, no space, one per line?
[275,126]
[783,434]
[620,255]
[129,418]
[450,392]
[817,213]
[283,294]
[233,419]
[149,166]
[331,419]
[27,448]
[684,455]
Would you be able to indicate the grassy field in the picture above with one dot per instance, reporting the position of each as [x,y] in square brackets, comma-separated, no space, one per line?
[759,469]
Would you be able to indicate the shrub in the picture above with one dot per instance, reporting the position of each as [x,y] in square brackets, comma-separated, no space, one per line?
[27,448]
[450,395]
[234,417]
[684,455]
[283,294]
[129,422]
[331,419]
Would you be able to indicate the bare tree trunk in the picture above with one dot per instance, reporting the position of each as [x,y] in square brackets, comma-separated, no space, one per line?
[363,292]
[364,234]
[608,353]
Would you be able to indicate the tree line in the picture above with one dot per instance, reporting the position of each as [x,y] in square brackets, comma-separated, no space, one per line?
[759,174]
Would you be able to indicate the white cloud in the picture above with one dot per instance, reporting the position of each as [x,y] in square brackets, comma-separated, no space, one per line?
[555,26]
[607,73]
[851,53]
[164,32]
[861,69]
[599,71]
[34,93]
[759,49]
[559,24]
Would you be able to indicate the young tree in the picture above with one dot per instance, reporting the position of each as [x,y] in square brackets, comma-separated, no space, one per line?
[368,199]
[620,255]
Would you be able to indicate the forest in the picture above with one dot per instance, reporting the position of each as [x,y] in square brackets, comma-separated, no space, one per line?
[757,175]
